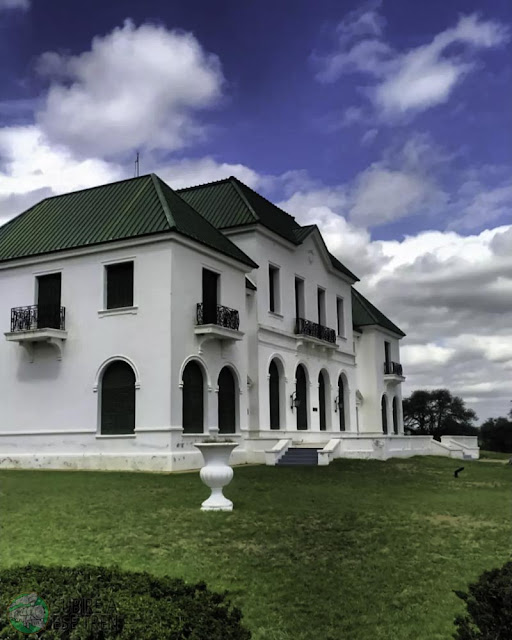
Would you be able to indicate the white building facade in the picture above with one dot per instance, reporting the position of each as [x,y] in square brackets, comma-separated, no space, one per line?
[143,320]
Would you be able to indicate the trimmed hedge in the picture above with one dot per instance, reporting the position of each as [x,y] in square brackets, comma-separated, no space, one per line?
[97,603]
[489,607]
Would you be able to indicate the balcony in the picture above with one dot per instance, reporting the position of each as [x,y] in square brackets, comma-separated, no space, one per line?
[37,323]
[315,334]
[393,373]
[217,323]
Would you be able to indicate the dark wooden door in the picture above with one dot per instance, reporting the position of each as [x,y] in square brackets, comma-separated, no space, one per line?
[301,395]
[321,401]
[274,395]
[118,399]
[227,402]
[48,301]
[210,282]
[387,354]
[193,399]
[384,412]
[341,403]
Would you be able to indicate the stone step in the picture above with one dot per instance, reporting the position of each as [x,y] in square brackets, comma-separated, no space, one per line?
[295,456]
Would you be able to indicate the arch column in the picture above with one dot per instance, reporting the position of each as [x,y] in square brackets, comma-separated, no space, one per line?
[331,417]
[389,407]
[212,412]
[358,403]
[314,416]
[290,417]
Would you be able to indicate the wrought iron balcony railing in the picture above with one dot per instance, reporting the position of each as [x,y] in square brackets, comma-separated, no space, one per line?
[219,315]
[393,368]
[38,317]
[308,328]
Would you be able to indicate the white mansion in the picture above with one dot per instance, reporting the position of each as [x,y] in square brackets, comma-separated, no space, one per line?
[138,320]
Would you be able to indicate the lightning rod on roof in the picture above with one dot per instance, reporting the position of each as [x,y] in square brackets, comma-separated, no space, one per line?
[137,165]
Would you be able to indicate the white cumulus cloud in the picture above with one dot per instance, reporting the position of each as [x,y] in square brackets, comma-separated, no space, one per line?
[32,169]
[411,80]
[137,87]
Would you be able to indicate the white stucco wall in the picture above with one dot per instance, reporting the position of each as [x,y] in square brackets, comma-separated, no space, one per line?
[371,381]
[49,394]
[186,293]
[276,337]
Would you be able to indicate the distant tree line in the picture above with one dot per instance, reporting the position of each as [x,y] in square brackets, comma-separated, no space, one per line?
[496,434]
[439,413]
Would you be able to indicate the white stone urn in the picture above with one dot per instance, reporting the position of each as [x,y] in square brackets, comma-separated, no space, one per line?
[216,473]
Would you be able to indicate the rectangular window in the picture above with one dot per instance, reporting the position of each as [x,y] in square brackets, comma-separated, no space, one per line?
[273,288]
[119,285]
[340,311]
[321,306]
[299,298]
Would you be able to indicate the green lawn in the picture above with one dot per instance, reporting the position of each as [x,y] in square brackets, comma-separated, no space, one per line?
[495,455]
[354,551]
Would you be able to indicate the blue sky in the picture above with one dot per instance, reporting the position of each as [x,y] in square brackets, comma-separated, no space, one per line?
[389,124]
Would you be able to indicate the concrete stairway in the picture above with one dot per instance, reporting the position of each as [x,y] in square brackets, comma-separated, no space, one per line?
[296,456]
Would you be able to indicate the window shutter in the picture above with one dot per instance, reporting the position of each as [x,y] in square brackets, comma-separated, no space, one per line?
[120,285]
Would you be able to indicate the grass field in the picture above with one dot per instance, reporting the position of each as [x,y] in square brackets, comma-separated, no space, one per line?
[359,550]
[495,455]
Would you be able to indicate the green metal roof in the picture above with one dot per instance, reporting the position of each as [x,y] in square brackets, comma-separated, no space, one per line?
[230,203]
[303,232]
[364,313]
[120,210]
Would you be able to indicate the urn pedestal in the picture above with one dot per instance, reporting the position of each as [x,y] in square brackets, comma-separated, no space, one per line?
[216,473]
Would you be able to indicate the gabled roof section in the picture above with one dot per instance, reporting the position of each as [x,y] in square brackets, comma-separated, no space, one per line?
[303,232]
[231,203]
[364,313]
[187,221]
[117,211]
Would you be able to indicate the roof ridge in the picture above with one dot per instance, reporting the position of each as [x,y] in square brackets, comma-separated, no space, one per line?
[175,226]
[97,186]
[264,198]
[167,212]
[203,184]
[234,181]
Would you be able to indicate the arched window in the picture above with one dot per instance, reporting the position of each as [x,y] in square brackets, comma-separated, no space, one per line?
[384,412]
[301,398]
[227,401]
[341,403]
[118,399]
[193,398]
[275,402]
[395,415]
[321,400]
